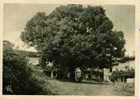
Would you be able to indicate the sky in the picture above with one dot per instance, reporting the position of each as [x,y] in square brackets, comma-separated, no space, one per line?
[17,15]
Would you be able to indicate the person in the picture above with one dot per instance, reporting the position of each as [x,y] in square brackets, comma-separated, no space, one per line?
[78,74]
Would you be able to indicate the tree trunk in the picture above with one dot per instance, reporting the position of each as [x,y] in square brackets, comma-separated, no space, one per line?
[72,74]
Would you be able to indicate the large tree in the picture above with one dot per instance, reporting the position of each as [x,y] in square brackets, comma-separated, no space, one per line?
[74,35]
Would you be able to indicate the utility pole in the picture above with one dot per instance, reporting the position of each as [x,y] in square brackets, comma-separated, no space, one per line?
[108,54]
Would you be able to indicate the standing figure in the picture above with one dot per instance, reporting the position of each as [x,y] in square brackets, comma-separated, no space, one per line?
[78,74]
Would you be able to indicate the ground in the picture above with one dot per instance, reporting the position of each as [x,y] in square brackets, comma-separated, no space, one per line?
[86,88]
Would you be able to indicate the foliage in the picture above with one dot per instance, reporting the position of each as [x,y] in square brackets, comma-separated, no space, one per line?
[17,73]
[129,73]
[74,35]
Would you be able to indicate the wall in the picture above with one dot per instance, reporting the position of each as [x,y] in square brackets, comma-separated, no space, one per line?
[34,60]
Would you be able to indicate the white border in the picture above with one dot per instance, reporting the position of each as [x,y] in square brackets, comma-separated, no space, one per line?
[96,2]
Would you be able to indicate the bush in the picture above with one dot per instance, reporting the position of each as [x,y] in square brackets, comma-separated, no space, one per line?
[17,74]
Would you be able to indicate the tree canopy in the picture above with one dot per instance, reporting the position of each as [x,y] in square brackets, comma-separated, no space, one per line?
[74,35]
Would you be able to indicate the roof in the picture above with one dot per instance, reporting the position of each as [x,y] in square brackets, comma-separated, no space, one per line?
[126,59]
[27,53]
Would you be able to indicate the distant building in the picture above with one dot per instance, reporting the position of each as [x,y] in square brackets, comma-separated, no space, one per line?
[126,62]
[93,74]
[104,74]
[33,57]
[34,60]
